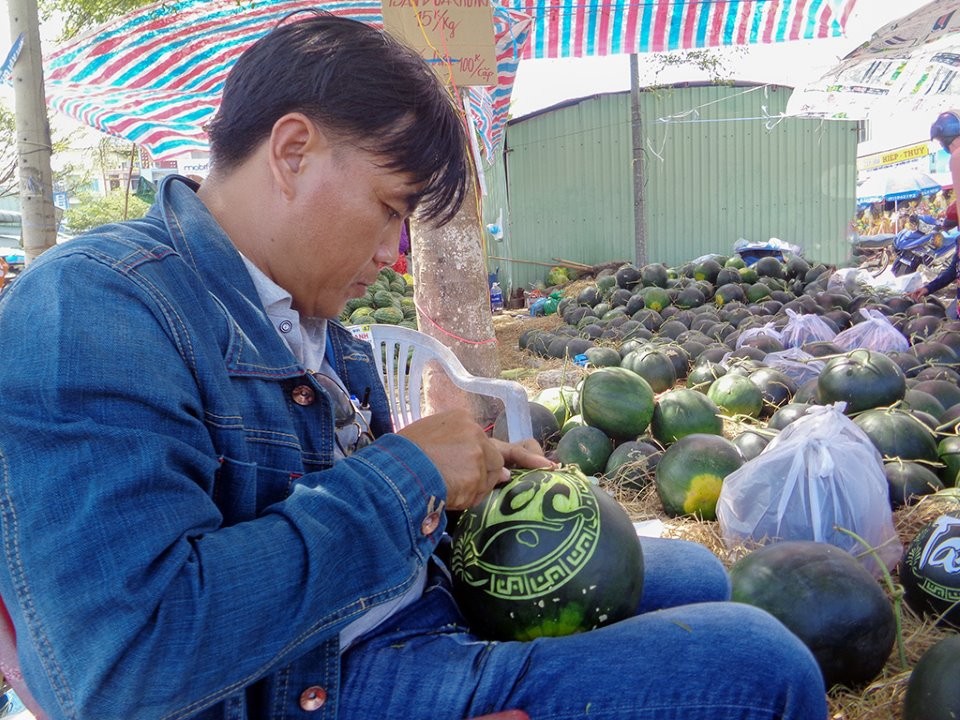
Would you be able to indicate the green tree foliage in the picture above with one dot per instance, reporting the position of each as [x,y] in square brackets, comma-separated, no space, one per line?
[712,61]
[74,16]
[90,211]
[9,180]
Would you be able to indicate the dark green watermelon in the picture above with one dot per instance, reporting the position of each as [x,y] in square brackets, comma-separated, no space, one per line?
[586,447]
[933,692]
[546,554]
[863,379]
[653,366]
[632,464]
[908,481]
[898,434]
[618,401]
[827,599]
[681,412]
[690,474]
[930,573]
[751,443]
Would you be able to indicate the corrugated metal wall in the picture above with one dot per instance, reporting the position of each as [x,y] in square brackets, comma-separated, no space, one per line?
[719,165]
[569,188]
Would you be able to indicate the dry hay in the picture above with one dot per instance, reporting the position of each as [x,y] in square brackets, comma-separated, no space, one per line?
[517,364]
[882,699]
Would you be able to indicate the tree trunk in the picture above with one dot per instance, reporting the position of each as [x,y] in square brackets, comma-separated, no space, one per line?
[453,306]
[38,221]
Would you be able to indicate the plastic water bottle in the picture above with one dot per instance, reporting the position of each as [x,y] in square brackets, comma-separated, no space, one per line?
[496,299]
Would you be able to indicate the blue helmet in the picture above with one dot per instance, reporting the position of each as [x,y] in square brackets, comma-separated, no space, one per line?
[946,128]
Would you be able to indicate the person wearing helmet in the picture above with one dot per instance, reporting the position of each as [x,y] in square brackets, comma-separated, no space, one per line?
[946,131]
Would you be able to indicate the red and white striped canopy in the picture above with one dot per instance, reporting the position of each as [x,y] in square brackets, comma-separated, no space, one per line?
[154,76]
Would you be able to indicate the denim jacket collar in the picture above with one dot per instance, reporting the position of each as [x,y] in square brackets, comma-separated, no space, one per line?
[203,245]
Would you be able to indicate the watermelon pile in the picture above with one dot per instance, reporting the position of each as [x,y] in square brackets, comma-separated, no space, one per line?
[389,300]
[673,352]
[716,359]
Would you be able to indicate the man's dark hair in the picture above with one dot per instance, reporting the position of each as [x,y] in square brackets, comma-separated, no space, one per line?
[353,81]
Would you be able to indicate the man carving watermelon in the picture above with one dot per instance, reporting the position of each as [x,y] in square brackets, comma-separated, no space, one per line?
[199,523]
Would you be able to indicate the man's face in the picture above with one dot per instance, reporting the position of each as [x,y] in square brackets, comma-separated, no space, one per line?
[343,225]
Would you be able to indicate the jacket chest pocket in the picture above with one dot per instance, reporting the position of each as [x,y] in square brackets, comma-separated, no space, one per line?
[261,455]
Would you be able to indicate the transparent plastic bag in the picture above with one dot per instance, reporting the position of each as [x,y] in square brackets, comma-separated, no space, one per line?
[820,474]
[876,332]
[803,328]
[799,365]
[766,329]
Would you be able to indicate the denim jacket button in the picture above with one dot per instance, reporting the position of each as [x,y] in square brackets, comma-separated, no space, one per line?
[313,698]
[430,523]
[303,395]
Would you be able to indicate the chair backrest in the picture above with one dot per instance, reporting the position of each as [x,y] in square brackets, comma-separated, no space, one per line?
[10,663]
[401,355]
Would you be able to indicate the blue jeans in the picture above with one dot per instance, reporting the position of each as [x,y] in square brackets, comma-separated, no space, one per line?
[687,655]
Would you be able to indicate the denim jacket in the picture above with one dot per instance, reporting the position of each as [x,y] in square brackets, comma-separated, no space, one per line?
[177,541]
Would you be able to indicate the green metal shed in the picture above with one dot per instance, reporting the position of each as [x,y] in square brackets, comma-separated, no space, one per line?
[718,163]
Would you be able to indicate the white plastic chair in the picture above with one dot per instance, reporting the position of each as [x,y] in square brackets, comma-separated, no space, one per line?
[402,377]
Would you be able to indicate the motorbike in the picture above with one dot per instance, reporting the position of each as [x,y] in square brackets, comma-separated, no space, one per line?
[923,243]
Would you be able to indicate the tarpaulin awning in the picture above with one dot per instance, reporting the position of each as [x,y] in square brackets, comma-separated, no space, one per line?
[578,28]
[909,65]
[154,76]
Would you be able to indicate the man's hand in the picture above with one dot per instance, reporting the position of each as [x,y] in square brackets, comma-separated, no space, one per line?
[917,294]
[470,463]
[524,454]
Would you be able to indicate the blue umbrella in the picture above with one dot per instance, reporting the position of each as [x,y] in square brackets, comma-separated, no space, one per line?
[894,185]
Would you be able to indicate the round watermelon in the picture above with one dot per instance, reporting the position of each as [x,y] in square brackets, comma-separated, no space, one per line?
[681,412]
[907,481]
[898,434]
[704,373]
[691,472]
[933,692]
[751,443]
[545,554]
[863,379]
[586,447]
[632,463]
[618,401]
[948,450]
[930,570]
[825,597]
[735,394]
[653,366]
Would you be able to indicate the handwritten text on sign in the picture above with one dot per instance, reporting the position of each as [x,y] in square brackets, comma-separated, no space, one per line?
[454,36]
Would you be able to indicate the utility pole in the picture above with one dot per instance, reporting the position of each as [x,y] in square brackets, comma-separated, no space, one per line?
[38,221]
[639,189]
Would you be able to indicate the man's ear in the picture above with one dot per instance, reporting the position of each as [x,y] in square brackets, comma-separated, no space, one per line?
[293,140]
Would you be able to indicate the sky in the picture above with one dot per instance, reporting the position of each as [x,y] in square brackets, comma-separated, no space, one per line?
[542,83]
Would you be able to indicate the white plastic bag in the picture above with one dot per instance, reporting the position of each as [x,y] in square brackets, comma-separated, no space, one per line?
[798,365]
[803,328]
[820,474]
[874,333]
[769,329]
